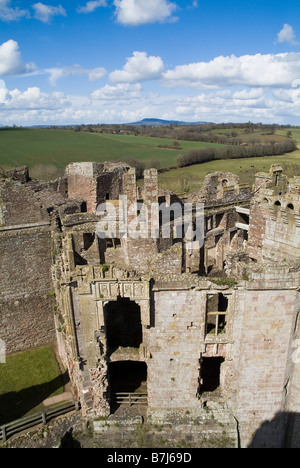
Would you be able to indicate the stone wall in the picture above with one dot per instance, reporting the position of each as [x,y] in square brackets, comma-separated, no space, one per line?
[256,230]
[169,261]
[261,361]
[282,239]
[249,326]
[274,217]
[95,182]
[26,304]
[257,351]
[293,388]
[177,429]
[19,206]
[175,349]
[82,183]
[221,188]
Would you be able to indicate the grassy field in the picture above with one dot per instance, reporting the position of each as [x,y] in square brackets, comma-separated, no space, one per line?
[188,179]
[258,135]
[57,148]
[32,147]
[26,380]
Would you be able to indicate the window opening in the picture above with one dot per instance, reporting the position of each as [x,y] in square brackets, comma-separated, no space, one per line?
[219,219]
[290,214]
[217,307]
[123,324]
[210,373]
[113,243]
[209,223]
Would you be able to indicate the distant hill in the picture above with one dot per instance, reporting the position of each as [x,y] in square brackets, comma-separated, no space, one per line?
[161,122]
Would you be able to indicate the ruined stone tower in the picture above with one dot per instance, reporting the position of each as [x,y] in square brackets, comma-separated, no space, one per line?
[184,322]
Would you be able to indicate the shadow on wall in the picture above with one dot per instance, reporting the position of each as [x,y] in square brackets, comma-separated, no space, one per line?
[281,432]
[68,441]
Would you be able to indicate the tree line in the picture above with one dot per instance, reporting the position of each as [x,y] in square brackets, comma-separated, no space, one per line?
[205,132]
[198,156]
[203,155]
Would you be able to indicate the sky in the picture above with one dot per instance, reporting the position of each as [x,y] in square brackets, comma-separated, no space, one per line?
[120,61]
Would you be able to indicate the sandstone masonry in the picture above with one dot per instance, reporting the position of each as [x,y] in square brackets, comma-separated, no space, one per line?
[182,325]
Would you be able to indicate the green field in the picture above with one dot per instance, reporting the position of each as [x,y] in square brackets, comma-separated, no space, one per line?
[59,147]
[32,147]
[187,179]
[26,380]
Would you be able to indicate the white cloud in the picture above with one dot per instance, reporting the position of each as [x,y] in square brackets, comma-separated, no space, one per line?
[31,99]
[96,73]
[248,94]
[286,95]
[258,88]
[11,61]
[249,70]
[139,67]
[7,13]
[224,106]
[137,12]
[92,6]
[32,106]
[287,34]
[57,73]
[120,92]
[45,13]
[193,4]
[126,102]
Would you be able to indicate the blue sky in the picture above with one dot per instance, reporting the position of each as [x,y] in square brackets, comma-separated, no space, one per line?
[118,61]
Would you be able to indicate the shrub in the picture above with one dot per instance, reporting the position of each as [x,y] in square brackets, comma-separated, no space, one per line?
[195,156]
[198,156]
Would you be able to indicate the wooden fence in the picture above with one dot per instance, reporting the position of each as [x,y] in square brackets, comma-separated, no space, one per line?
[43,417]
[129,399]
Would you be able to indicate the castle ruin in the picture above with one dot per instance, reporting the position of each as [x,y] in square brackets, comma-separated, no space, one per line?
[185,317]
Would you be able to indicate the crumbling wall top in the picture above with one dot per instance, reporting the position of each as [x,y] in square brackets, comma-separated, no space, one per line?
[274,180]
[219,186]
[19,173]
[94,169]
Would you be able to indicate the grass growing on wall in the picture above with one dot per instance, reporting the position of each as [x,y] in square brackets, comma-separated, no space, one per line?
[26,380]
